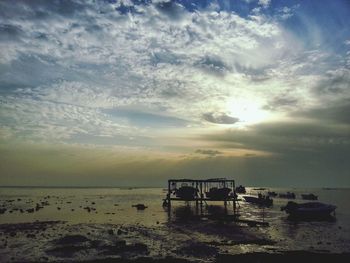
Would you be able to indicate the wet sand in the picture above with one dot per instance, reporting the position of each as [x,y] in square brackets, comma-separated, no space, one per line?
[57,241]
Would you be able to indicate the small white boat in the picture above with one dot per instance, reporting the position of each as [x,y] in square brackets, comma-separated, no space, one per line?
[309,210]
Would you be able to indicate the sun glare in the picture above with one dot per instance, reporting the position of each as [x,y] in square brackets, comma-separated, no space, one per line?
[248,111]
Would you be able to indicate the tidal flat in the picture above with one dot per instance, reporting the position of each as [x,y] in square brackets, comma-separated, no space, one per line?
[101,225]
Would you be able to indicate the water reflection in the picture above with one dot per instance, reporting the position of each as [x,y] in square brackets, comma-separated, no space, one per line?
[189,212]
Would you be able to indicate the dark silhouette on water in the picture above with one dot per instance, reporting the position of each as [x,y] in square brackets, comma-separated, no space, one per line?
[186,192]
[204,191]
[240,189]
[219,194]
[287,195]
[308,211]
[272,194]
[260,200]
[309,196]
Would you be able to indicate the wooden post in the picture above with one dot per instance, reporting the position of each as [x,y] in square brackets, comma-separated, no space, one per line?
[201,192]
[234,198]
[196,197]
[168,195]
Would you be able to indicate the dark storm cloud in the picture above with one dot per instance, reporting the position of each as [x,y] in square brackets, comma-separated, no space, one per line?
[219,118]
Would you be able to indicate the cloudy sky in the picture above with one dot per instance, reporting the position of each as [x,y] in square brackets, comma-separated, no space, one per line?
[134,92]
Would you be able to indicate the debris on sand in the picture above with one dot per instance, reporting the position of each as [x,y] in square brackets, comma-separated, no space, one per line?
[140,206]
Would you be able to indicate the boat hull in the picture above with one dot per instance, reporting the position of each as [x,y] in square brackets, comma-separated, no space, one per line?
[218,194]
[240,189]
[186,193]
[287,195]
[311,210]
[258,201]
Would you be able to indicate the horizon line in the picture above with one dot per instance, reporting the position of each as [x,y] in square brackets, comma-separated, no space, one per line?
[139,187]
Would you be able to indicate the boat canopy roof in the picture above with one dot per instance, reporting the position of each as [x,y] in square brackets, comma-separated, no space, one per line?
[211,180]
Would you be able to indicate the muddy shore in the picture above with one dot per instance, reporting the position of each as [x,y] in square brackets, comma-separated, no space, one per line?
[209,241]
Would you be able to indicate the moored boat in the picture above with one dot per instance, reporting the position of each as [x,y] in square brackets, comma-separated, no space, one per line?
[273,194]
[287,195]
[309,196]
[240,189]
[218,193]
[308,210]
[259,200]
[186,192]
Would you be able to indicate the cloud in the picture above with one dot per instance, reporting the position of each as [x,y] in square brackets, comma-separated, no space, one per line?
[289,139]
[93,58]
[219,118]
[264,3]
[334,83]
[146,119]
[208,152]
[153,76]
[281,102]
[213,65]
[337,112]
[89,58]
[9,32]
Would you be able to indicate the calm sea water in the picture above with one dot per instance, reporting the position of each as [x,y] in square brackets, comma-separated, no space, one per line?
[114,205]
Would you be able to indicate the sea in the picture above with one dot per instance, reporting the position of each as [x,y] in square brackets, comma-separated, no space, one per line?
[116,206]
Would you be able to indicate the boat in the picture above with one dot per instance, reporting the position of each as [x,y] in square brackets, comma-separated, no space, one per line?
[240,189]
[287,195]
[218,193]
[309,210]
[186,192]
[309,196]
[259,200]
[273,194]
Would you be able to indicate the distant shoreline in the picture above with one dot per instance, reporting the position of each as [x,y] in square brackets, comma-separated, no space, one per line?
[79,187]
[150,187]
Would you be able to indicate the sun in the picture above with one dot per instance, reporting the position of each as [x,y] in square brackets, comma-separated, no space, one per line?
[248,111]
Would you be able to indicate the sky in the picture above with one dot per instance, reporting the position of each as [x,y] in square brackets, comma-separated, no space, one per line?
[133,93]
